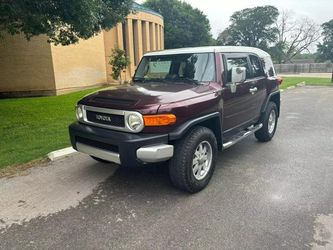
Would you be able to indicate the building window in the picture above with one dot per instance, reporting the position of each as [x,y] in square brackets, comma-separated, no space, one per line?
[125,34]
[144,37]
[151,36]
[135,41]
[156,36]
[160,38]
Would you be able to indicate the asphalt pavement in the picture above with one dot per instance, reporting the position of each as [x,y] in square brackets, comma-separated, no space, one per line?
[276,195]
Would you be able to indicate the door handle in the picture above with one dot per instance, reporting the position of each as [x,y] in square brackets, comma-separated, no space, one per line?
[253,90]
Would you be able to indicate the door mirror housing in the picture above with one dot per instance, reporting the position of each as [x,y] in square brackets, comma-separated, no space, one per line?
[238,75]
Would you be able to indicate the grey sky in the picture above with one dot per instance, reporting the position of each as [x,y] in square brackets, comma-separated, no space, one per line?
[219,12]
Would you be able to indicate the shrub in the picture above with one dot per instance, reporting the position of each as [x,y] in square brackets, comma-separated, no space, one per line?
[119,61]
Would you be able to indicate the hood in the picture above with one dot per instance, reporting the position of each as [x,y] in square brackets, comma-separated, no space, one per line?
[145,96]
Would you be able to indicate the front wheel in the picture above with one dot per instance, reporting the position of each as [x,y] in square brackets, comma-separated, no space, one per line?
[269,122]
[194,161]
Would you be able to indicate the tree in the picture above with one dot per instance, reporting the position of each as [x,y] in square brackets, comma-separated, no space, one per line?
[277,52]
[325,49]
[251,27]
[63,21]
[294,36]
[185,26]
[119,61]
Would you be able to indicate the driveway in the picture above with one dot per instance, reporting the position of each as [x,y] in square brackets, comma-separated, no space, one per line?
[277,195]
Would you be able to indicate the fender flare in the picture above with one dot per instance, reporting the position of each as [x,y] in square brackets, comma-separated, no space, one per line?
[180,131]
[272,95]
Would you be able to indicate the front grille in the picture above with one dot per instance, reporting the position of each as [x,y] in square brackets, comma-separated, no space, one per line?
[97,144]
[109,118]
[105,119]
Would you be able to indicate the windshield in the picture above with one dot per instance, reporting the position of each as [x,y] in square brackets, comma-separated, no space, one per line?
[180,67]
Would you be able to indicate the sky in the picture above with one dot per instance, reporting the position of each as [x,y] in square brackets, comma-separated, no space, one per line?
[219,11]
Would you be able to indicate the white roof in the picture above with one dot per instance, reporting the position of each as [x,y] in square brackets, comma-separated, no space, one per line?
[210,49]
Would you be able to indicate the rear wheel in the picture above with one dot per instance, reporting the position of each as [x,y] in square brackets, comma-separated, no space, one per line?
[194,161]
[269,122]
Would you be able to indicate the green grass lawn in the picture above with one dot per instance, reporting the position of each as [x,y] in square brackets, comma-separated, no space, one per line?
[32,127]
[292,81]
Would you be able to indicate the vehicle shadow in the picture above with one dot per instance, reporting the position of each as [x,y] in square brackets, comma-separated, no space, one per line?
[155,178]
[144,200]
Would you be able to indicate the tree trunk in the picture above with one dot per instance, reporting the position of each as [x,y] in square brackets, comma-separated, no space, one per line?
[332,78]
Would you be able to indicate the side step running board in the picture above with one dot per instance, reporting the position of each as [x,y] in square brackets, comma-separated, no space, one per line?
[242,135]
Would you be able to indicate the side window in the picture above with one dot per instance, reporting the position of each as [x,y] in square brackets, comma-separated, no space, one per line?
[237,62]
[256,66]
[268,65]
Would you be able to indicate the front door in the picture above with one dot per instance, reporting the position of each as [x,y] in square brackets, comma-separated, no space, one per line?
[239,108]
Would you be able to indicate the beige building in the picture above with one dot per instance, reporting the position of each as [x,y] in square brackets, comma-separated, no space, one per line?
[36,67]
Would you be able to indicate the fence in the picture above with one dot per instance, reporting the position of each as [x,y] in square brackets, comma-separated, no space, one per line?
[304,68]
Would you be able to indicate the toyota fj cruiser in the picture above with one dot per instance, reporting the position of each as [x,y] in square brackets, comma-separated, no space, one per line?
[183,106]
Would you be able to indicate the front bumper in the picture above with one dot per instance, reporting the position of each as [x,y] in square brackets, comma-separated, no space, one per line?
[126,149]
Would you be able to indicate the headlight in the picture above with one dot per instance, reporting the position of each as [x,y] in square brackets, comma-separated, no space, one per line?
[79,112]
[134,122]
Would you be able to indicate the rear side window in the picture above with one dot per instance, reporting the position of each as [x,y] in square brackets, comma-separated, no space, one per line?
[237,62]
[256,66]
[268,66]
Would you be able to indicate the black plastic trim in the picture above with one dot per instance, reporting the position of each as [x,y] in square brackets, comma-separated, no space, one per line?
[183,129]
[269,97]
[127,143]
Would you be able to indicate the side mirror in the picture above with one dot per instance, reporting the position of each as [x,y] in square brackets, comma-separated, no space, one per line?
[238,75]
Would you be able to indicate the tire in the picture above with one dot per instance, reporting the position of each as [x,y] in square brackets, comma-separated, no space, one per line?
[183,173]
[100,160]
[269,119]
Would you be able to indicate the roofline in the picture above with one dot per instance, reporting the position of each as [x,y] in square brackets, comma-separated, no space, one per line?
[211,49]
[140,8]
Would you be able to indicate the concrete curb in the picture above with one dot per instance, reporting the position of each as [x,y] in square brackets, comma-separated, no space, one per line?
[301,84]
[62,153]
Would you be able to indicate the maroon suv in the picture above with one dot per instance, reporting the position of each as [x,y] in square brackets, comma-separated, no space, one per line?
[183,106]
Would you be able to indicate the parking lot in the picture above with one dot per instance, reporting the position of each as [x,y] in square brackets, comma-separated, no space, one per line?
[276,195]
